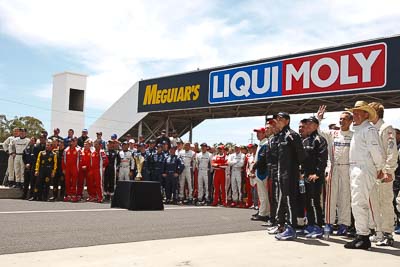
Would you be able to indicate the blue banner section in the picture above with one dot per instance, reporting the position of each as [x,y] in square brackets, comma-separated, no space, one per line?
[245,83]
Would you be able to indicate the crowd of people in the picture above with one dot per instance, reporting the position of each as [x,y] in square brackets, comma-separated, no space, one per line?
[311,182]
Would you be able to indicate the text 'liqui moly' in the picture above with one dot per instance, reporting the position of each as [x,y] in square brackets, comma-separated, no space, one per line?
[342,70]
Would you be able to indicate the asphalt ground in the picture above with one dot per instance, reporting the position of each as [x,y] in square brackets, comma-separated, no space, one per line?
[37,226]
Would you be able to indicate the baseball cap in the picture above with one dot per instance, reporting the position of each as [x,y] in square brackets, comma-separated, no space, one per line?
[203,144]
[313,119]
[85,130]
[249,145]
[284,115]
[261,129]
[114,136]
[131,141]
[221,147]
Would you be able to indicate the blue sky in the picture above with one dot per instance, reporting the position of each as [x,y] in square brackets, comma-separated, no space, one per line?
[118,43]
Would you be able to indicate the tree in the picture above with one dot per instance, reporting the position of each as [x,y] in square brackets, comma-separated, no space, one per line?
[32,125]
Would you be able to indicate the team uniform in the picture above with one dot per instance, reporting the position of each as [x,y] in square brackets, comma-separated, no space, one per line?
[58,179]
[71,171]
[46,166]
[366,161]
[290,153]
[10,149]
[110,173]
[382,196]
[316,158]
[125,164]
[84,165]
[236,162]
[187,174]
[219,163]
[30,163]
[261,174]
[173,166]
[203,162]
[19,167]
[338,195]
[98,163]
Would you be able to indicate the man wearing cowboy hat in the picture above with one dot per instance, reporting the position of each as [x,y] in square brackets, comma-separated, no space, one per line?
[383,191]
[366,164]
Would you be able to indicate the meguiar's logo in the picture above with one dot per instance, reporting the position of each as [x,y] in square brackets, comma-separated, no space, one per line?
[154,96]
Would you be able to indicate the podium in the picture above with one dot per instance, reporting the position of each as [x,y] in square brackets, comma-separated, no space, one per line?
[137,195]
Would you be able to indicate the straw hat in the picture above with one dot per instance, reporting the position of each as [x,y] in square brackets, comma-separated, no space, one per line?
[362,105]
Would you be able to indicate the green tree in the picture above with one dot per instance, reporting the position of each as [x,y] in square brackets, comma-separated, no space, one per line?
[31,124]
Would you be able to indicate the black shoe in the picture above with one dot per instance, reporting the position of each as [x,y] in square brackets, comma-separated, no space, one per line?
[361,242]
[255,214]
[259,218]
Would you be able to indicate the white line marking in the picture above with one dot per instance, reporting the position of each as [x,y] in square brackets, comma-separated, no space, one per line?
[91,210]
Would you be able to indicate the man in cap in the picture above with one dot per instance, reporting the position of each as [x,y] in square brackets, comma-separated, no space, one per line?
[219,163]
[338,199]
[203,164]
[58,179]
[366,164]
[236,162]
[290,154]
[125,163]
[132,146]
[188,159]
[382,196]
[71,169]
[261,175]
[20,143]
[152,146]
[316,158]
[10,149]
[83,138]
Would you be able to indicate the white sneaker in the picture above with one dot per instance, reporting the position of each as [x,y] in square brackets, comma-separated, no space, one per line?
[377,237]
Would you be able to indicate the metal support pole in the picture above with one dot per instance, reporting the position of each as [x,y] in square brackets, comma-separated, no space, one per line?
[191,132]
[167,126]
[140,129]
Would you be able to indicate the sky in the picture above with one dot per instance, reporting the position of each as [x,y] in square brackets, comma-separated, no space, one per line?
[117,43]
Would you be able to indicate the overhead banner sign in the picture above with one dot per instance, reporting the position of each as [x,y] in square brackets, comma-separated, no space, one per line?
[351,69]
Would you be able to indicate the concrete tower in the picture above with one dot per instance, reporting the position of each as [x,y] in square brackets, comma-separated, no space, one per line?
[68,102]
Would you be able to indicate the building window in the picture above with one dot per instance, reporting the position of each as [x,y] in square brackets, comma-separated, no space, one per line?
[76,99]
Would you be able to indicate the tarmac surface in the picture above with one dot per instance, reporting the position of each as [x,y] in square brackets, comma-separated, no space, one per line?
[91,234]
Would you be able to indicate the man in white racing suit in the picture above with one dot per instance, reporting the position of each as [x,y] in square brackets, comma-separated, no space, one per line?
[338,180]
[382,196]
[20,143]
[188,157]
[203,164]
[366,164]
[10,149]
[125,163]
[236,162]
